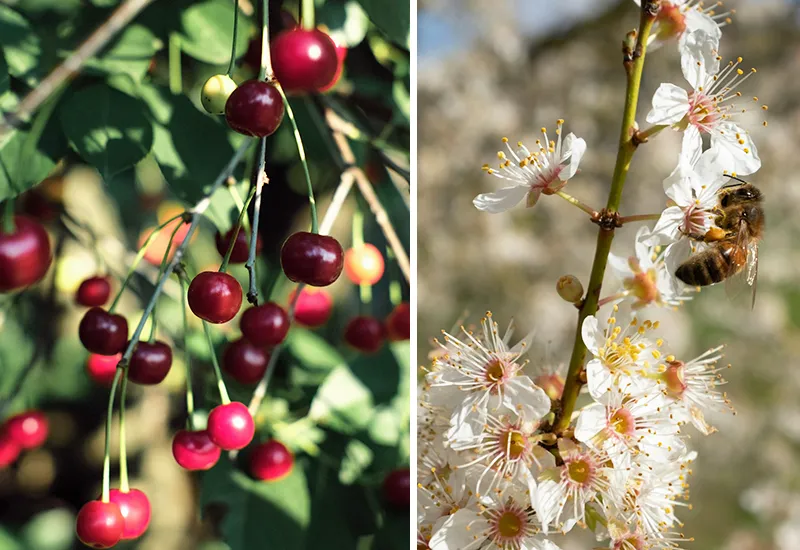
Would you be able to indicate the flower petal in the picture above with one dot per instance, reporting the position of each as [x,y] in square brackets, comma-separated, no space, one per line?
[592,336]
[736,150]
[692,144]
[574,148]
[501,200]
[670,105]
[699,57]
[460,530]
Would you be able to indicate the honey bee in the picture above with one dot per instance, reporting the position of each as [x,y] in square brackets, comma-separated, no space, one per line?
[733,252]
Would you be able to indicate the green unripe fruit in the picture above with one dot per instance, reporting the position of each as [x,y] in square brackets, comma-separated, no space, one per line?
[215,93]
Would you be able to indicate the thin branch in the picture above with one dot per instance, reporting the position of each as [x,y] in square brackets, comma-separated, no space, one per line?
[259,179]
[339,196]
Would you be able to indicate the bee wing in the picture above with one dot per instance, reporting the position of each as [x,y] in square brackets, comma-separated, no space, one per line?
[743,271]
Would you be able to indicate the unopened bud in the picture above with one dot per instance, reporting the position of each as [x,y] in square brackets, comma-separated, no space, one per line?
[552,384]
[629,45]
[570,289]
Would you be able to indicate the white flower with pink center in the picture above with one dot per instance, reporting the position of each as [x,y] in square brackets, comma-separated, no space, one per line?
[708,107]
[506,522]
[677,19]
[545,170]
[482,375]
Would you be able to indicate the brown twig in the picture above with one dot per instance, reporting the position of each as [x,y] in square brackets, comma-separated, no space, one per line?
[72,65]
[337,125]
[345,184]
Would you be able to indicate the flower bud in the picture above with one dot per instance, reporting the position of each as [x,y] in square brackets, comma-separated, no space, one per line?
[215,93]
[552,384]
[570,289]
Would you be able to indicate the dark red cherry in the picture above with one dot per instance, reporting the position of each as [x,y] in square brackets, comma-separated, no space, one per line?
[135,509]
[93,292]
[341,55]
[99,524]
[241,248]
[195,451]
[215,297]
[315,260]
[29,429]
[313,308]
[38,205]
[150,363]
[102,368]
[231,426]
[255,108]
[245,362]
[9,450]
[398,323]
[265,325]
[103,332]
[25,254]
[304,60]
[397,489]
[271,461]
[365,334]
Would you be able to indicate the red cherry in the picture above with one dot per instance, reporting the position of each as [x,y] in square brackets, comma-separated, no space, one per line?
[245,362]
[241,248]
[195,451]
[341,55]
[29,429]
[135,509]
[304,60]
[99,524]
[265,325]
[24,254]
[103,332]
[365,334]
[271,461]
[255,108]
[397,489]
[150,363]
[93,292]
[398,324]
[313,308]
[231,426]
[102,368]
[215,297]
[9,450]
[316,260]
[364,265]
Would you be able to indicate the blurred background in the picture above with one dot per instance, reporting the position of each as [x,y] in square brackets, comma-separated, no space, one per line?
[344,414]
[507,68]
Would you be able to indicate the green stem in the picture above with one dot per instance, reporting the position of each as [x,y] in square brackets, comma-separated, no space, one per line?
[238,227]
[187,359]
[605,236]
[307,14]
[265,72]
[123,450]
[575,202]
[237,200]
[175,72]
[9,226]
[302,152]
[257,186]
[161,270]
[639,218]
[235,33]
[138,258]
[107,448]
[395,288]
[364,289]
[223,391]
[643,135]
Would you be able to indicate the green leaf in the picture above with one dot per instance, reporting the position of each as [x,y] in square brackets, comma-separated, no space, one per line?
[313,351]
[207,31]
[393,534]
[343,403]
[357,458]
[20,44]
[347,22]
[392,17]
[257,514]
[108,128]
[4,78]
[130,53]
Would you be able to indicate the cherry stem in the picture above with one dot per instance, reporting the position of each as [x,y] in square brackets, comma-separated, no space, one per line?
[175,71]
[195,214]
[575,202]
[237,200]
[161,271]
[307,14]
[123,450]
[265,72]
[238,227]
[138,258]
[187,359]
[259,178]
[109,419]
[639,218]
[302,152]
[609,299]
[223,391]
[9,226]
[235,33]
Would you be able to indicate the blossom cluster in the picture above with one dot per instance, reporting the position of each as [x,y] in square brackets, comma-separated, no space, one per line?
[500,464]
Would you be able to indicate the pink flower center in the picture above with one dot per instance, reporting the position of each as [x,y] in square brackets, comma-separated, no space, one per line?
[509,525]
[579,471]
[622,422]
[547,181]
[675,378]
[630,542]
[703,111]
[694,219]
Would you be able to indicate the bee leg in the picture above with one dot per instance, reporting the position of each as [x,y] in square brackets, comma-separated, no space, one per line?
[715,234]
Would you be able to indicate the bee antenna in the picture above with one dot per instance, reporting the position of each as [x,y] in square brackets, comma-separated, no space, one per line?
[734,178]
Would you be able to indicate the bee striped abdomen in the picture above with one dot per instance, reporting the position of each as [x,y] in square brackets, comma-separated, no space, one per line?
[704,269]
